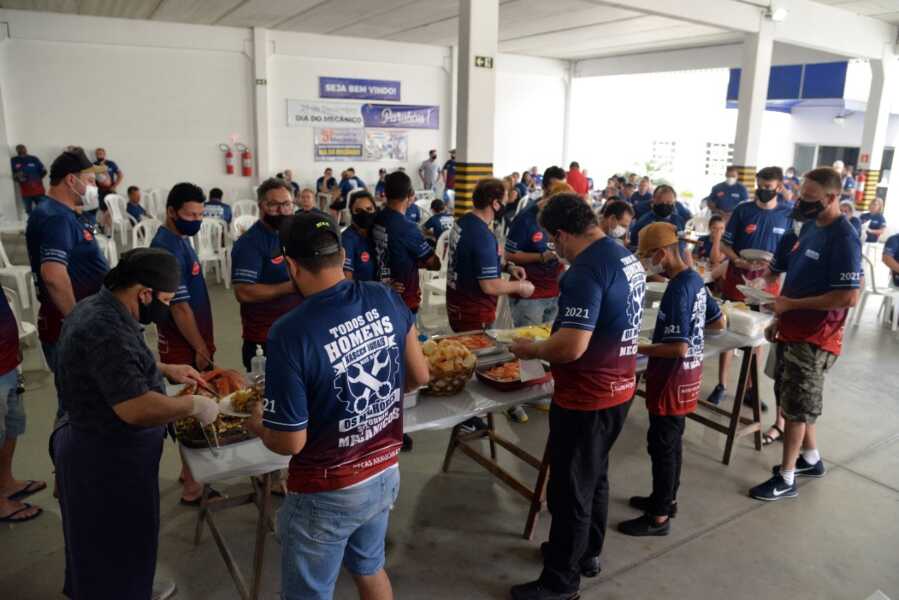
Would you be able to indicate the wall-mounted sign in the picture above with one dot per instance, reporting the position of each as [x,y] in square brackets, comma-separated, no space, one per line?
[358,89]
[402,116]
[338,143]
[386,144]
[484,62]
[312,113]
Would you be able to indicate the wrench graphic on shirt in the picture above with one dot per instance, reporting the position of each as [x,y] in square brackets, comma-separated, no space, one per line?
[380,388]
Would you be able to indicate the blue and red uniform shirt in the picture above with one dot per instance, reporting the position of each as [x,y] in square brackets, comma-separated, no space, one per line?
[821,260]
[105,180]
[335,368]
[360,256]
[602,293]
[136,211]
[891,249]
[473,256]
[413,213]
[217,210]
[55,234]
[726,197]
[173,347]
[648,219]
[874,221]
[437,224]
[526,235]
[399,248]
[751,227]
[672,384]
[29,171]
[256,258]
[450,168]
[9,337]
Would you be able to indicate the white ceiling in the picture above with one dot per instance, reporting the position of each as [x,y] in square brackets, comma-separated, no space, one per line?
[566,29]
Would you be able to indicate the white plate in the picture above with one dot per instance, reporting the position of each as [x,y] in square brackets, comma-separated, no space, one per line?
[753,254]
[226,408]
[755,295]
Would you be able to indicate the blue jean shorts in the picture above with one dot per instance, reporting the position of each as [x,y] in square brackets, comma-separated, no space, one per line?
[322,531]
[12,412]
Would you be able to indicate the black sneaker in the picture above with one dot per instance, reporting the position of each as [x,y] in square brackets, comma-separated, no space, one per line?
[717,395]
[643,526]
[774,489]
[641,503]
[804,469]
[747,401]
[473,424]
[535,591]
[407,443]
[589,567]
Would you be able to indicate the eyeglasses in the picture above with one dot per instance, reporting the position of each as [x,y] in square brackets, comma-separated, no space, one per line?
[279,205]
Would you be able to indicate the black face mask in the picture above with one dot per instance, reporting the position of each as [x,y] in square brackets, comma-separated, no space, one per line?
[765,195]
[499,212]
[155,312]
[274,221]
[662,210]
[807,210]
[364,219]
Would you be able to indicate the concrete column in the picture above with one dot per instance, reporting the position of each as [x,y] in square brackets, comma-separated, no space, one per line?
[11,207]
[756,68]
[877,117]
[566,128]
[476,103]
[261,52]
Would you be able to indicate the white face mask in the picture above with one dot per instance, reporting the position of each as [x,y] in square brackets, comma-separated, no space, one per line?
[618,231]
[731,180]
[650,268]
[90,199]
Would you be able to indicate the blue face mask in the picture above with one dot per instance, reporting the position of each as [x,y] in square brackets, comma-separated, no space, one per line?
[189,228]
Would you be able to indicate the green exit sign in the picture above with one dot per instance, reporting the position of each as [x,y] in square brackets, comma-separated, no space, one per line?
[484,62]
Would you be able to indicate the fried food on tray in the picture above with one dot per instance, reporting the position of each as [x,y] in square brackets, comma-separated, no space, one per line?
[243,400]
[510,371]
[475,341]
[447,356]
[531,332]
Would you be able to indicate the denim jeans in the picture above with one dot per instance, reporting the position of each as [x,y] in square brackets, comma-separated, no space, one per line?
[12,412]
[533,312]
[320,532]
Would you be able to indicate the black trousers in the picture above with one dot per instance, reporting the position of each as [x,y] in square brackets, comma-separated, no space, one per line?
[578,490]
[248,351]
[109,498]
[664,441]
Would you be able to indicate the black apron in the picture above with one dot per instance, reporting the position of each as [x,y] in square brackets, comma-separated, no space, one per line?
[109,497]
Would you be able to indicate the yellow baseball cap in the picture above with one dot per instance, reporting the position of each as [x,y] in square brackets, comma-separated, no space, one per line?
[656,236]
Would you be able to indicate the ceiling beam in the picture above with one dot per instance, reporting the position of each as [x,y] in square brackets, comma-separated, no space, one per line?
[809,24]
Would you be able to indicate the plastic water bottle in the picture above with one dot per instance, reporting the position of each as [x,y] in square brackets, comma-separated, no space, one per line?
[257,365]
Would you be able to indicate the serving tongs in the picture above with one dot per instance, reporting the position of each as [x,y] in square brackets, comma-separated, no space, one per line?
[215,436]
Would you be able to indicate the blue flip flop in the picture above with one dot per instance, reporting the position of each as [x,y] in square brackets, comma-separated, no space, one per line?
[31,487]
[9,518]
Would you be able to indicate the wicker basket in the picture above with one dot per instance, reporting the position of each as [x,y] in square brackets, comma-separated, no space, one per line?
[448,385]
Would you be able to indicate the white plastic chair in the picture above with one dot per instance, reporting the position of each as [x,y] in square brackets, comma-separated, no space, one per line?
[23,281]
[108,248]
[245,207]
[424,196]
[27,330]
[239,225]
[121,220]
[211,249]
[142,234]
[889,298]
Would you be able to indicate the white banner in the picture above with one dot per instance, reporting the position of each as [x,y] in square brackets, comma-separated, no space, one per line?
[315,113]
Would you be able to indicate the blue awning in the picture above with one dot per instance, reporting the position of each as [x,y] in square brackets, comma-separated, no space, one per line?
[791,86]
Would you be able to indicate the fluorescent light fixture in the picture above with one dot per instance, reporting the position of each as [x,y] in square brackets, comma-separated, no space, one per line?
[778,14]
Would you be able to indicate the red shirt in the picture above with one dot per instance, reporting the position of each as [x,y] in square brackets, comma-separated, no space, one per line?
[577,181]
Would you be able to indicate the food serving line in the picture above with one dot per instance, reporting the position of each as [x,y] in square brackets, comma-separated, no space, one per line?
[251,459]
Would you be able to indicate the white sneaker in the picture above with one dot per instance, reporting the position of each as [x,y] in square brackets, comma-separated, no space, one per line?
[517,414]
[163,590]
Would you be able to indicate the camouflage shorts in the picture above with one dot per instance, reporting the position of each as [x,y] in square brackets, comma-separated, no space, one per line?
[799,379]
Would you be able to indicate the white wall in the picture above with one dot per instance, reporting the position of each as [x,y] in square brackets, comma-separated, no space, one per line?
[159,97]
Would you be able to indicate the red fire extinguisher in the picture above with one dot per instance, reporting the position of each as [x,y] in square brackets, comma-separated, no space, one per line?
[860,189]
[229,158]
[246,162]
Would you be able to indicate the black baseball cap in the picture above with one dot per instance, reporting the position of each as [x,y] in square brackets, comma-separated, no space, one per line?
[73,160]
[153,267]
[300,235]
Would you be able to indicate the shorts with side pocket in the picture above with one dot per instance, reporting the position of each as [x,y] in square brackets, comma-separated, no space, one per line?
[799,379]
[12,411]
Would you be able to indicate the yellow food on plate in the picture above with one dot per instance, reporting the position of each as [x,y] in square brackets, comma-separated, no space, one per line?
[531,332]
[242,401]
[446,357]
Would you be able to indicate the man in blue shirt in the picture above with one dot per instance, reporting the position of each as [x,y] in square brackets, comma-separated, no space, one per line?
[379,187]
[413,213]
[215,208]
[756,225]
[261,283]
[891,258]
[29,173]
[439,221]
[848,183]
[336,370]
[875,220]
[400,247]
[135,210]
[352,182]
[108,177]
[823,276]
[642,198]
[65,258]
[359,264]
[663,209]
[326,184]
[725,196]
